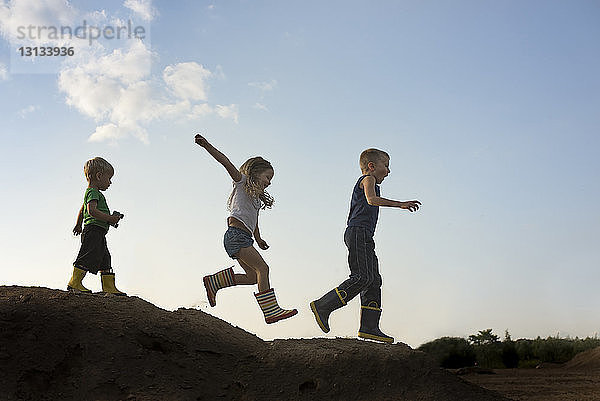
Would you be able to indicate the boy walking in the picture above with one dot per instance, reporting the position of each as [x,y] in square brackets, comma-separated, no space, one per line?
[364,267]
[95,217]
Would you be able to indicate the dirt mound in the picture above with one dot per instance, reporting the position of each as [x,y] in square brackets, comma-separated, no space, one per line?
[58,345]
[587,360]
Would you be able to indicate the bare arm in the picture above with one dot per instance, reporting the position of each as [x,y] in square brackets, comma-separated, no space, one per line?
[257,232]
[78,225]
[220,157]
[368,184]
[92,208]
[262,244]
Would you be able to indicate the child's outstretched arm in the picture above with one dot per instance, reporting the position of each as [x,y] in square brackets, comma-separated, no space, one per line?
[79,224]
[374,200]
[220,157]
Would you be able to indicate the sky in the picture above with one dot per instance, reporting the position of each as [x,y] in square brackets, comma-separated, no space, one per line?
[489,111]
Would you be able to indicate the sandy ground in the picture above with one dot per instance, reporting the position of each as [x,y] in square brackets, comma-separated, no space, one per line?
[576,380]
[56,345]
[553,384]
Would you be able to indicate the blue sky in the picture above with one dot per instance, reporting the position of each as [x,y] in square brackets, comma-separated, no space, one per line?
[489,111]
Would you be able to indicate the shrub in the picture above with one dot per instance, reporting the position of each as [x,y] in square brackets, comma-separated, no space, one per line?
[456,352]
[450,352]
[510,357]
[489,355]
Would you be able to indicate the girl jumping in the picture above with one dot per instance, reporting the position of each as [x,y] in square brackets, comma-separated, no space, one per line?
[246,199]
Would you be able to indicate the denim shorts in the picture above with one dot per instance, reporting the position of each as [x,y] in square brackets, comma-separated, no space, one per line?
[236,239]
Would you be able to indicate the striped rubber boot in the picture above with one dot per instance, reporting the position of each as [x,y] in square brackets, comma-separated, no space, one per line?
[75,284]
[268,303]
[214,282]
[369,324]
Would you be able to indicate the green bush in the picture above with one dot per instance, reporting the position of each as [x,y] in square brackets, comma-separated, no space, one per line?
[489,355]
[510,356]
[450,352]
[486,349]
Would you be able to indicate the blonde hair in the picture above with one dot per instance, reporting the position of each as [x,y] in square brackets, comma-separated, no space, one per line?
[252,168]
[95,166]
[371,155]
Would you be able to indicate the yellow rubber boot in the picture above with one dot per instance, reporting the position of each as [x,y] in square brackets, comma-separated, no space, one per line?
[75,284]
[108,284]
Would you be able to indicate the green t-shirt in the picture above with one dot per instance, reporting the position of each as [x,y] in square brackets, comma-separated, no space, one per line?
[90,195]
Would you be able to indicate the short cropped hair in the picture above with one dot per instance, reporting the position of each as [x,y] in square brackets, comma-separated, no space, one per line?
[372,155]
[95,166]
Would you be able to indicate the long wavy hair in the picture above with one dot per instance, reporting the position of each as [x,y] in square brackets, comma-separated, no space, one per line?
[252,168]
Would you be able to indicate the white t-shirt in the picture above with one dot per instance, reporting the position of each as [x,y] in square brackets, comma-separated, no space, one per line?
[242,206]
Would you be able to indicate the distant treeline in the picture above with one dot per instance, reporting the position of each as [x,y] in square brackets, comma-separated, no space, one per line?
[485,349]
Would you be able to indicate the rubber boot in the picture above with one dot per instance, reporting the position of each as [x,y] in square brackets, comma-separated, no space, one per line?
[108,284]
[369,324]
[215,282]
[268,303]
[75,284]
[323,307]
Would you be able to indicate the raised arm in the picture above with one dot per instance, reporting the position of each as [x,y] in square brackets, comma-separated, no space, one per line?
[220,157]
[372,199]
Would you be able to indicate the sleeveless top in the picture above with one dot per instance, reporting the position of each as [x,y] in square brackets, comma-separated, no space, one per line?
[242,206]
[361,213]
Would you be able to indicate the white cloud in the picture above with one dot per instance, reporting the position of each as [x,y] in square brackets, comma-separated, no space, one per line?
[218,72]
[112,132]
[187,80]
[142,7]
[114,89]
[95,86]
[261,106]
[17,15]
[127,65]
[27,110]
[3,72]
[114,85]
[201,110]
[264,86]
[107,132]
[230,111]
[117,91]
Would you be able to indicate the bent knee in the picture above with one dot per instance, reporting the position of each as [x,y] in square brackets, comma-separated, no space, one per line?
[262,269]
[251,277]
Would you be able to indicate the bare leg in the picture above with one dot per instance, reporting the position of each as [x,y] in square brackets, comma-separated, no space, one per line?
[246,279]
[252,259]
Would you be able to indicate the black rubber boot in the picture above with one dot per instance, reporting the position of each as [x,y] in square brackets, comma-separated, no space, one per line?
[369,325]
[323,307]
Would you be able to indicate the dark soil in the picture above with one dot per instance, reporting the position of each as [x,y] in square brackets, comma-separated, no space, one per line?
[56,345]
[546,384]
[576,380]
[585,361]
